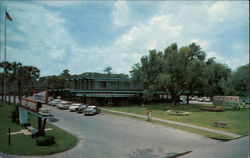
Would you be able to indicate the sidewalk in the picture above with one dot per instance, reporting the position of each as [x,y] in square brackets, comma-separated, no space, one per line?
[179,123]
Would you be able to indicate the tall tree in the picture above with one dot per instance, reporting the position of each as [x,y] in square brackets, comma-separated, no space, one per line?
[178,70]
[216,76]
[195,58]
[108,70]
[65,73]
[239,81]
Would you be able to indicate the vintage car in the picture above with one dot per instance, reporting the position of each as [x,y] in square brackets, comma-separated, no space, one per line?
[64,105]
[77,107]
[54,102]
[92,110]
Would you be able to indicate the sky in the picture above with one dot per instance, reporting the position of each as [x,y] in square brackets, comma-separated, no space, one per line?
[88,36]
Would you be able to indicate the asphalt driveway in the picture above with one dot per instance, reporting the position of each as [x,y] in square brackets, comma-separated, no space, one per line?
[108,136]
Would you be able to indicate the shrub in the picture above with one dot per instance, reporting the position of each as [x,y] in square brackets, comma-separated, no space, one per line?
[213,109]
[45,140]
[14,116]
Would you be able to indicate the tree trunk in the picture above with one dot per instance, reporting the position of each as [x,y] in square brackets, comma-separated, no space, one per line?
[19,85]
[174,98]
[187,99]
[14,98]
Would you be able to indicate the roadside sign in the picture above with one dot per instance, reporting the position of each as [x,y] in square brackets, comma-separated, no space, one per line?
[228,101]
[41,96]
[30,104]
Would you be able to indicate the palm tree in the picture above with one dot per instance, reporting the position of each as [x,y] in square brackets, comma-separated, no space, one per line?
[14,77]
[33,75]
[5,75]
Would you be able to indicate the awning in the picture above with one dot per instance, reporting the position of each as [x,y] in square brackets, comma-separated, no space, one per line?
[107,95]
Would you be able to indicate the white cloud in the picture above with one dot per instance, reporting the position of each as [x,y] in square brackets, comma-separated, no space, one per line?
[159,28]
[222,11]
[59,4]
[46,43]
[120,13]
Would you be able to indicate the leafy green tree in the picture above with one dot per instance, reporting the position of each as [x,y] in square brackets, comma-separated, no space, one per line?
[239,81]
[216,75]
[65,73]
[108,70]
[195,58]
[178,70]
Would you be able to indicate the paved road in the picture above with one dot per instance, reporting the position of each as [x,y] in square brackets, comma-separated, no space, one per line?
[108,136]
[179,123]
[238,148]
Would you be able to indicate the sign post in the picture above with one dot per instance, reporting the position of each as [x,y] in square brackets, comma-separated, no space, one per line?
[34,106]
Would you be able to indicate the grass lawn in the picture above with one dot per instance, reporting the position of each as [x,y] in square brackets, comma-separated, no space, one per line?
[237,121]
[23,144]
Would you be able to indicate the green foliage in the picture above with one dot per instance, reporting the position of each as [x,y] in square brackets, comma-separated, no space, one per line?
[22,144]
[45,140]
[65,73]
[108,70]
[216,75]
[239,82]
[177,70]
[173,70]
[18,75]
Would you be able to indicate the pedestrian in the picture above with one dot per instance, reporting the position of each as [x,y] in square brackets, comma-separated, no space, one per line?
[150,115]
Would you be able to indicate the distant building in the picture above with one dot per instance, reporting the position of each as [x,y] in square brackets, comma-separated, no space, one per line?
[102,91]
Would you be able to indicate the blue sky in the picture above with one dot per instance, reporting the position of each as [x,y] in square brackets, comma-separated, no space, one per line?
[87,36]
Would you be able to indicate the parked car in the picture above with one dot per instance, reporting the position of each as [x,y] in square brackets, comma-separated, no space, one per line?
[91,110]
[54,102]
[64,105]
[206,99]
[44,112]
[81,108]
[77,106]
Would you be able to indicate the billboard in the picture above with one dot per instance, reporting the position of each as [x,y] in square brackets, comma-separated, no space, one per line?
[30,104]
[41,96]
[228,101]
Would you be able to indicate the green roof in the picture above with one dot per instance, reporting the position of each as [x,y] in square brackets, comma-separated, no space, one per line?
[107,95]
[103,91]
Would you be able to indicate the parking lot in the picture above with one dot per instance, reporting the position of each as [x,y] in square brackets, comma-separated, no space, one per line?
[104,135]
[110,136]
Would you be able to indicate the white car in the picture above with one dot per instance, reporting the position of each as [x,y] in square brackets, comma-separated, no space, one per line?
[54,102]
[44,112]
[91,110]
[64,105]
[207,100]
[77,106]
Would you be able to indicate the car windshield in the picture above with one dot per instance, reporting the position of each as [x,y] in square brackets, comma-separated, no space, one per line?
[90,107]
[76,104]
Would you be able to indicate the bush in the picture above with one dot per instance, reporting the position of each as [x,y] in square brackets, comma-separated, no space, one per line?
[14,116]
[213,109]
[45,140]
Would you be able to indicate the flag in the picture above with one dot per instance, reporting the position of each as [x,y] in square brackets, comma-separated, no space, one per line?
[8,16]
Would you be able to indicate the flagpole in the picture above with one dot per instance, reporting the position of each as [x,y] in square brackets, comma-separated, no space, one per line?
[5,41]
[0,30]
